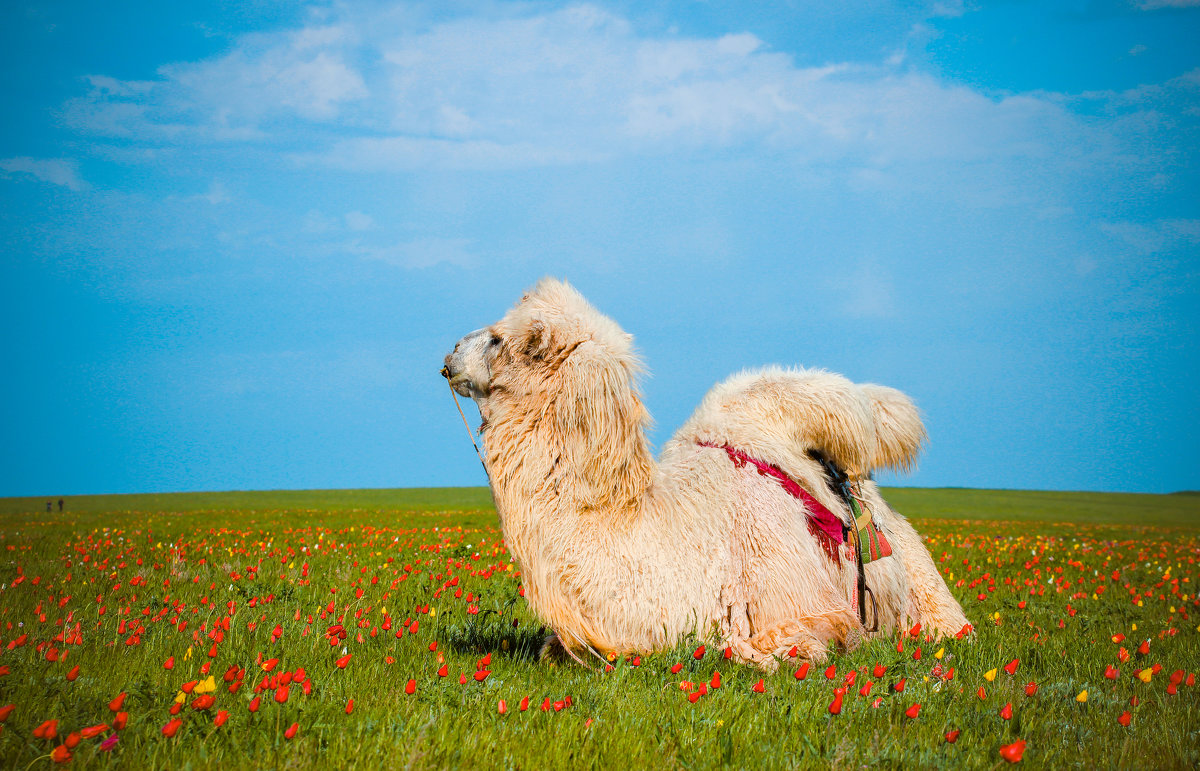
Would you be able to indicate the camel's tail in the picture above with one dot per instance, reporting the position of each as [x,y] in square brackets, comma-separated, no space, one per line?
[899,432]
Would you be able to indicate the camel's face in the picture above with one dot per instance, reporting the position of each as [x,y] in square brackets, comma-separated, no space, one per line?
[469,366]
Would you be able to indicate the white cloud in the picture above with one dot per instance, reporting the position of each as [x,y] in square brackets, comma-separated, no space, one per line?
[56,171]
[372,90]
[299,73]
[356,220]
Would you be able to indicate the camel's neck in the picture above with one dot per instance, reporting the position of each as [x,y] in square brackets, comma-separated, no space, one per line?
[563,500]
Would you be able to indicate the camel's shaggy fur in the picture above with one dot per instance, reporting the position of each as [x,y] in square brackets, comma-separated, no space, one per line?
[623,554]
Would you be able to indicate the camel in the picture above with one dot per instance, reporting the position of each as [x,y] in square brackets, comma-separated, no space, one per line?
[621,554]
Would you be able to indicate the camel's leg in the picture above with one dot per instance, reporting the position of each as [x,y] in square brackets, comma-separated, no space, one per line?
[929,599]
[734,629]
[810,635]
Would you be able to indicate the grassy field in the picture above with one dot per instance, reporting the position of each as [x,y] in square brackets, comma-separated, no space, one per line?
[1092,596]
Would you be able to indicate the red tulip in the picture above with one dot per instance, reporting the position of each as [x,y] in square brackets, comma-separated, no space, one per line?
[5,711]
[1125,718]
[291,730]
[952,736]
[1011,667]
[899,686]
[1013,752]
[728,653]
[481,675]
[698,653]
[879,671]
[444,670]
[115,704]
[47,730]
[1031,689]
[269,664]
[502,707]
[74,673]
[281,694]
[913,711]
[982,694]
[802,672]
[119,722]
[831,672]
[1144,648]
[524,705]
[220,719]
[1111,672]
[343,661]
[411,688]
[759,687]
[794,652]
[1006,711]
[835,707]
[350,706]
[169,663]
[172,727]
[675,669]
[60,754]
[254,703]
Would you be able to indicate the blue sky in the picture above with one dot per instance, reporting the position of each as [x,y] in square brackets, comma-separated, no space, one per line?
[239,238]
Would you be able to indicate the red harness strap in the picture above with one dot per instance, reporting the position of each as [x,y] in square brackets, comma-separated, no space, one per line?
[822,523]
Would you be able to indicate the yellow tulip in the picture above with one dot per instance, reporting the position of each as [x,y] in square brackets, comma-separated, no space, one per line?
[1082,697]
[989,675]
[1145,675]
[941,652]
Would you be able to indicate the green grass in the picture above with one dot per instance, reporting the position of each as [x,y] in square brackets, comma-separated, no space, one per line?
[202,543]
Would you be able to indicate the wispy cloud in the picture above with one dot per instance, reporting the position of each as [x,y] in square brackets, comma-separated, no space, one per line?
[418,253]
[1154,5]
[56,171]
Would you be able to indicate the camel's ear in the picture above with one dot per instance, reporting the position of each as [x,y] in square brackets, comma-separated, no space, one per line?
[899,432]
[537,339]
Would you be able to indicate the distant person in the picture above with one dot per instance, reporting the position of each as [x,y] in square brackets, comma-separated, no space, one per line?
[60,504]
[47,507]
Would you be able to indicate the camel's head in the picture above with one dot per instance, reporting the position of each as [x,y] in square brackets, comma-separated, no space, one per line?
[524,351]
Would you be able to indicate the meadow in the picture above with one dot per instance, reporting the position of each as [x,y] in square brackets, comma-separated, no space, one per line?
[357,629]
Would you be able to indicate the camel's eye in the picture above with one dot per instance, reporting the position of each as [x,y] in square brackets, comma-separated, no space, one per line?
[495,340]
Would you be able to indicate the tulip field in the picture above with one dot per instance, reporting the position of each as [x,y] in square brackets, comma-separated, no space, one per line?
[370,629]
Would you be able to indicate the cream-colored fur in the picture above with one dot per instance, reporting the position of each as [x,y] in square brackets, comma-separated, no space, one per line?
[623,554]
